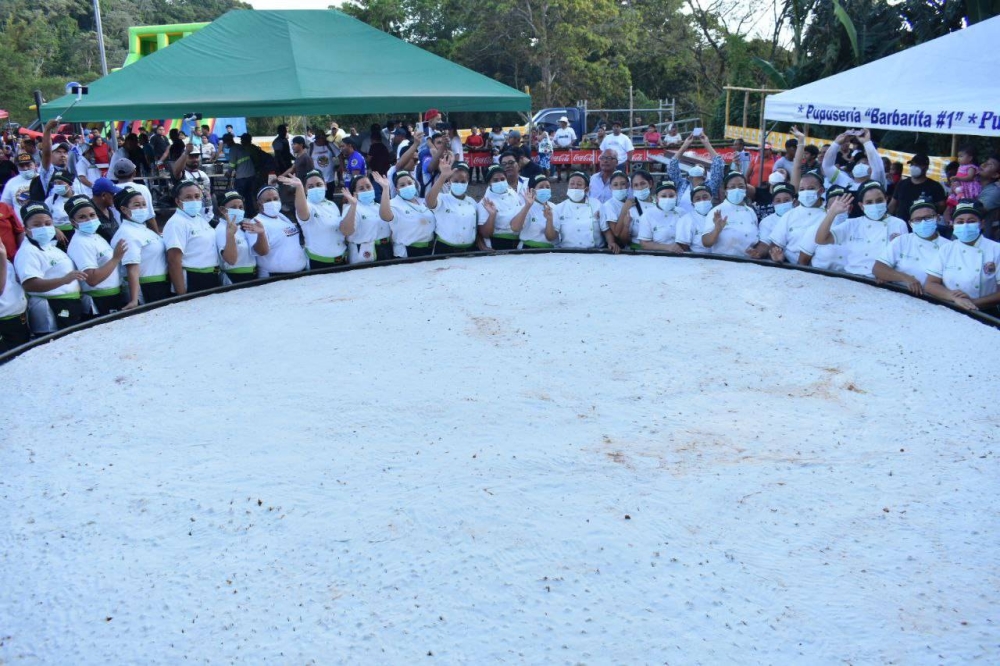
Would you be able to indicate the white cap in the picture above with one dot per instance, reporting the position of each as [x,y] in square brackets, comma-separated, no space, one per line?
[776,177]
[564,119]
[696,172]
[861,170]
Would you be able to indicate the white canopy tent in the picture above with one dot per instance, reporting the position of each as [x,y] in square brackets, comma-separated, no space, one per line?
[946,86]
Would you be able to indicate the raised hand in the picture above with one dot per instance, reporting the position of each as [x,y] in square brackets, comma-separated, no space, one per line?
[841,204]
[380,179]
[719,220]
[444,166]
[490,207]
[254,227]
[798,134]
[529,198]
[547,212]
[290,181]
[349,198]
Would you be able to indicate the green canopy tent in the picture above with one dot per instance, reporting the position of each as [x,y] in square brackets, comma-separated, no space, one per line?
[283,63]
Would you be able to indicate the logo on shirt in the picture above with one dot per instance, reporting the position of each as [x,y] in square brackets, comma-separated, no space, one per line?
[990,268]
[291,231]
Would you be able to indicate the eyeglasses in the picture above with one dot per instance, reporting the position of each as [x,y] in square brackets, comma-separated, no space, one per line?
[922,219]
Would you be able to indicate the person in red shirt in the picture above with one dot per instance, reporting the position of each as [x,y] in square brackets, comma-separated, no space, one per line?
[476,143]
[102,155]
[11,230]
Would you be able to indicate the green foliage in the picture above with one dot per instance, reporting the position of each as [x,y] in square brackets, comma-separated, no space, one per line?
[46,43]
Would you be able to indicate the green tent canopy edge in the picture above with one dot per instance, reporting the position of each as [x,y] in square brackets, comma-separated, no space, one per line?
[289,62]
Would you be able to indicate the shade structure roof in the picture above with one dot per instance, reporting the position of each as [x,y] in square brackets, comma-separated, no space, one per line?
[290,62]
[919,89]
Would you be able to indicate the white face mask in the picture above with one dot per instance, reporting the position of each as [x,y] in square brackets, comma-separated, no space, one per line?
[272,208]
[808,198]
[666,203]
[916,172]
[576,196]
[702,207]
[736,197]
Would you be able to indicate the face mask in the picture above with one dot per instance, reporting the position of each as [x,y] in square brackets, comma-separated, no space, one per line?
[965,232]
[499,188]
[316,194]
[925,228]
[916,172]
[736,197]
[60,190]
[45,235]
[367,197]
[642,194]
[666,203]
[702,207]
[620,195]
[29,173]
[776,177]
[236,215]
[408,192]
[90,227]
[697,172]
[783,208]
[860,171]
[192,208]
[459,189]
[272,208]
[576,196]
[875,211]
[543,196]
[139,216]
[808,198]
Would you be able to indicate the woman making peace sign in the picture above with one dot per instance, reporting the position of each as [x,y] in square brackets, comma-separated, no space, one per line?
[456,215]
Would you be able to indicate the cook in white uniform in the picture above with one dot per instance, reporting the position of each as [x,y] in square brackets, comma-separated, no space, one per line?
[783,199]
[47,274]
[192,257]
[371,240]
[324,228]
[13,306]
[285,253]
[965,271]
[731,227]
[576,221]
[689,227]
[94,256]
[530,222]
[411,221]
[658,224]
[497,208]
[827,257]
[240,241]
[906,258]
[145,259]
[863,238]
[613,209]
[787,232]
[456,215]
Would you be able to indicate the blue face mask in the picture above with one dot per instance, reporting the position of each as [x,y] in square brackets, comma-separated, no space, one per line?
[966,232]
[783,208]
[736,197]
[459,189]
[236,215]
[620,195]
[543,196]
[408,192]
[192,208]
[925,228]
[702,207]
[875,211]
[642,194]
[60,190]
[316,194]
[44,235]
[366,197]
[499,188]
[90,227]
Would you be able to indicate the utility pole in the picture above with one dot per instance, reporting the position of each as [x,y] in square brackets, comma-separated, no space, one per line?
[100,37]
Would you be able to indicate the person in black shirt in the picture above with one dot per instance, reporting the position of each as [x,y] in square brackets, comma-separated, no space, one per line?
[917,186]
[282,150]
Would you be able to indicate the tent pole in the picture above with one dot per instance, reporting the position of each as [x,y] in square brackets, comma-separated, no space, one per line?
[100,39]
[760,171]
[746,106]
[954,145]
[725,122]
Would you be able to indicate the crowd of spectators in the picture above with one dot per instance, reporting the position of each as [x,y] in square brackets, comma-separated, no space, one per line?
[82,235]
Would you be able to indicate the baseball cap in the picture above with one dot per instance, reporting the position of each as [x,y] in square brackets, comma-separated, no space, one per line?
[399,131]
[24,159]
[920,158]
[32,208]
[104,186]
[564,119]
[62,175]
[514,132]
[430,114]
[124,167]
[62,145]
